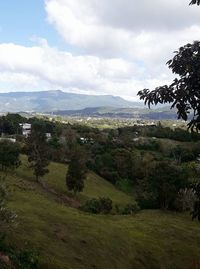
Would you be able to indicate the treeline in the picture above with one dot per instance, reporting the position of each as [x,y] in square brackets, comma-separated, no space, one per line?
[10,124]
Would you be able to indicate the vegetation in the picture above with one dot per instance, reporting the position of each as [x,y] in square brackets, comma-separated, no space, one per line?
[9,155]
[130,189]
[37,151]
[183,93]
[96,206]
[165,181]
[67,238]
[118,171]
[76,173]
[194,2]
[196,208]
[7,217]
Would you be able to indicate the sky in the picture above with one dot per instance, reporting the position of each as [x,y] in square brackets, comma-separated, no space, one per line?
[113,47]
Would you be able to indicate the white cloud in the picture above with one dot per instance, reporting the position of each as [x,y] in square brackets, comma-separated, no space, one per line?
[124,28]
[43,67]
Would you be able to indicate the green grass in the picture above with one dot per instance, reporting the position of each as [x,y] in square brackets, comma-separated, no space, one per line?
[95,186]
[70,239]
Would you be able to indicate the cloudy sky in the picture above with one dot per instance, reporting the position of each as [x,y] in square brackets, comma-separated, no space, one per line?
[89,46]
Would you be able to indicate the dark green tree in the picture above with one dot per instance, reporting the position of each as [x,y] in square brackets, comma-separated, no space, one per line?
[9,155]
[195,2]
[77,171]
[165,181]
[10,124]
[184,92]
[37,150]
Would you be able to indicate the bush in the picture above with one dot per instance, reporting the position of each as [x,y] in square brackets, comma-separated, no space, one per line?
[23,259]
[130,209]
[185,199]
[96,206]
[9,155]
[26,259]
[151,145]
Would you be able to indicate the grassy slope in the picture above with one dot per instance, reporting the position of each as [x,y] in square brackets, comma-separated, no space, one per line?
[68,238]
[95,186]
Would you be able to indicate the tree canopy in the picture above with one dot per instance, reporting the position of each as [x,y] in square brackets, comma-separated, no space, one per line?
[184,92]
[77,171]
[9,155]
[195,2]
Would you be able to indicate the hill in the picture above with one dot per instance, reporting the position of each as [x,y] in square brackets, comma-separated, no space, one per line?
[70,239]
[57,100]
[116,112]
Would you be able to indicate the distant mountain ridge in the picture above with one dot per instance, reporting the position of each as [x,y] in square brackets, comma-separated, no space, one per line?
[111,112]
[58,100]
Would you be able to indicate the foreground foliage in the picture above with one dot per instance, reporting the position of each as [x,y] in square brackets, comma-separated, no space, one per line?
[183,93]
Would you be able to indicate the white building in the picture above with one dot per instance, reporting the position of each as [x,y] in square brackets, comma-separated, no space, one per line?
[26,129]
[13,140]
[48,136]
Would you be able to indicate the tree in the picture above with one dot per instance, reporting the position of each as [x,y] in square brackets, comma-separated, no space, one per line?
[10,124]
[76,171]
[184,92]
[165,181]
[195,2]
[9,155]
[37,150]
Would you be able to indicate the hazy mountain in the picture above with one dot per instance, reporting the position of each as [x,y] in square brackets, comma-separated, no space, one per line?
[58,100]
[111,112]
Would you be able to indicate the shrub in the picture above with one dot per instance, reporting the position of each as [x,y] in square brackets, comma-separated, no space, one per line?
[92,206]
[9,155]
[151,145]
[23,259]
[106,205]
[96,206]
[185,199]
[130,209]
[26,259]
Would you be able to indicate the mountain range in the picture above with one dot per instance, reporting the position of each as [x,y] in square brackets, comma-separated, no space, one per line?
[58,100]
[80,105]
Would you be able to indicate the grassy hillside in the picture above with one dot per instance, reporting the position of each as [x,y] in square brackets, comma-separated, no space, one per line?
[70,239]
[95,186]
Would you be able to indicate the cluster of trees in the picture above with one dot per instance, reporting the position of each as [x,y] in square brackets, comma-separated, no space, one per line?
[183,93]
[113,155]
[156,176]
[9,124]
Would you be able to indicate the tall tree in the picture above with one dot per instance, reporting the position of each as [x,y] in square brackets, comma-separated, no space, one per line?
[37,150]
[77,171]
